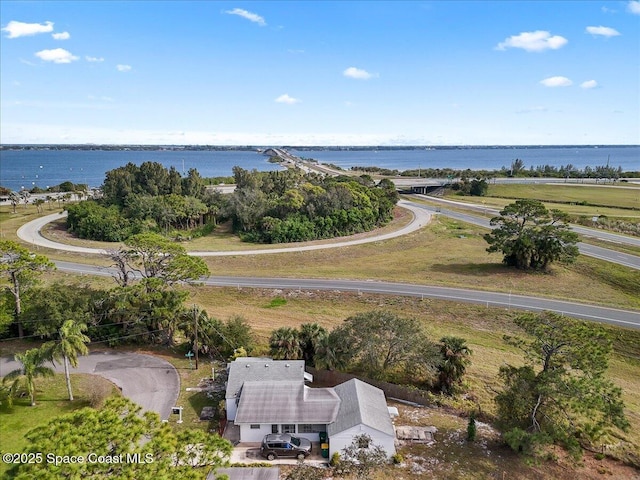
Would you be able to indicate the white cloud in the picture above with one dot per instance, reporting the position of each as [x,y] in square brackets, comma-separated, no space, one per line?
[285,98]
[357,73]
[589,84]
[20,29]
[537,41]
[556,82]
[603,31]
[253,17]
[57,55]
[634,7]
[93,59]
[61,36]
[123,68]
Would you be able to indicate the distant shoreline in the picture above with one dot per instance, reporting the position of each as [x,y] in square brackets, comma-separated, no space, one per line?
[299,148]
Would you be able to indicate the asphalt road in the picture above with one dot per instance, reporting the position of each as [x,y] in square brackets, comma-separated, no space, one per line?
[607,315]
[149,381]
[613,256]
[613,316]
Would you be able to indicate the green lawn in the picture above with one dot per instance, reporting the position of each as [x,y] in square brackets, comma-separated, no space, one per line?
[51,400]
[624,196]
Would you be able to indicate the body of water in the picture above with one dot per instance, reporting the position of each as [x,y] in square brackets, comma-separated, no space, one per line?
[28,168]
[480,158]
[43,168]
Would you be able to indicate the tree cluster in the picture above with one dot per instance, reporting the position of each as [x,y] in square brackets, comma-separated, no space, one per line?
[561,394]
[477,187]
[144,198]
[150,449]
[532,237]
[379,345]
[288,206]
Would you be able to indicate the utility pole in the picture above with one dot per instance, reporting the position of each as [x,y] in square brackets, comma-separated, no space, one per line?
[195,346]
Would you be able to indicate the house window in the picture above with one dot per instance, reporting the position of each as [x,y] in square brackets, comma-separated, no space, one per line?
[274,428]
[288,428]
[255,427]
[311,428]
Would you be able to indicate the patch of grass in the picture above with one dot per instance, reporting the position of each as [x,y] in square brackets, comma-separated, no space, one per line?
[51,400]
[452,457]
[482,327]
[447,253]
[276,302]
[626,197]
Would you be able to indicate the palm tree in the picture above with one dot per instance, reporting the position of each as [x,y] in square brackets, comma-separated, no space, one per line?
[310,335]
[285,344]
[71,344]
[331,352]
[455,358]
[38,202]
[32,368]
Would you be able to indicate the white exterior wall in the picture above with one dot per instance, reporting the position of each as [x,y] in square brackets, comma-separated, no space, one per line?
[247,434]
[345,438]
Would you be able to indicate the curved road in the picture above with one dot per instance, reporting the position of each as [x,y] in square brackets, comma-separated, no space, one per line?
[30,232]
[151,382]
[627,318]
[624,259]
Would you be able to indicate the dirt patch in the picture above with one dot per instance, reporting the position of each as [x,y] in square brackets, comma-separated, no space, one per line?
[451,456]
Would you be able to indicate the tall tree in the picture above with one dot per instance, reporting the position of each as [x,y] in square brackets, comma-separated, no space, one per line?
[284,344]
[384,345]
[153,256]
[150,448]
[561,393]
[310,336]
[31,369]
[72,342]
[532,237]
[333,351]
[22,268]
[455,359]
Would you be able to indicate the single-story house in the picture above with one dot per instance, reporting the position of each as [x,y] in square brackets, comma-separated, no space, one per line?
[285,407]
[363,410]
[247,369]
[289,406]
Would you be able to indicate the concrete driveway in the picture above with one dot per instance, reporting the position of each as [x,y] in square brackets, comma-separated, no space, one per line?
[248,453]
[149,381]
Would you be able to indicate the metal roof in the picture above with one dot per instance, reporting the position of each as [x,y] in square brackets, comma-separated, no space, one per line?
[286,402]
[361,403]
[246,369]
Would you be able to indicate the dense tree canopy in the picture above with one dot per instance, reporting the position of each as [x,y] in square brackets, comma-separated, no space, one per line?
[380,345]
[532,237]
[120,442]
[143,198]
[289,206]
[561,392]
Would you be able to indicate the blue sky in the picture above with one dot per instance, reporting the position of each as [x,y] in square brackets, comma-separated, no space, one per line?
[320,73]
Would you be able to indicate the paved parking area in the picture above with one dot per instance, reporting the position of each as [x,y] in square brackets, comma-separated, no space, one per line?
[250,453]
